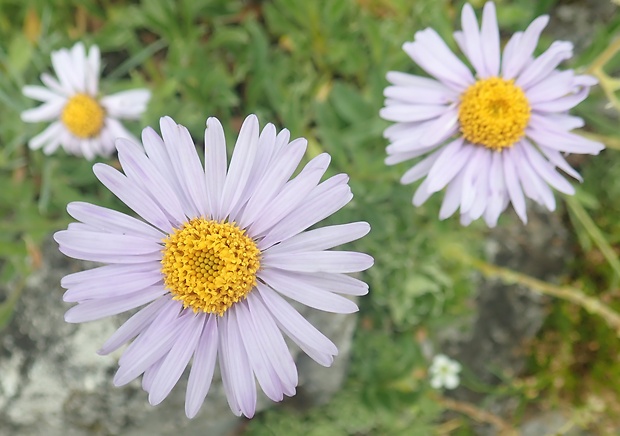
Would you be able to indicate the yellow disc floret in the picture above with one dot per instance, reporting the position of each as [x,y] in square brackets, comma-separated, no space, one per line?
[494,113]
[83,116]
[209,265]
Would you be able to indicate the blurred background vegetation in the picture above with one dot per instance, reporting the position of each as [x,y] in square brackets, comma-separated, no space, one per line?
[318,68]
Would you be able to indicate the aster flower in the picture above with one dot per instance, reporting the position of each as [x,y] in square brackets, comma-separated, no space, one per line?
[84,123]
[492,138]
[215,255]
[444,372]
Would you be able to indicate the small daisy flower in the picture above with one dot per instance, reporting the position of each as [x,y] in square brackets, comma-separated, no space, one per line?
[492,138]
[83,122]
[219,253]
[444,372]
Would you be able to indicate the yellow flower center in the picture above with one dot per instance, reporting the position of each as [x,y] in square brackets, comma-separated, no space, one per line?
[83,116]
[209,265]
[494,113]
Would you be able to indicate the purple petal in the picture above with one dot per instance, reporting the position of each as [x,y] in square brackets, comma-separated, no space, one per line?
[215,166]
[320,203]
[109,220]
[261,366]
[132,196]
[165,317]
[151,352]
[497,191]
[106,243]
[271,340]
[422,193]
[404,79]
[314,343]
[563,103]
[292,194]
[546,170]
[241,378]
[489,34]
[452,198]
[331,282]
[91,310]
[452,159]
[263,165]
[201,374]
[556,158]
[534,186]
[564,141]
[472,45]
[526,45]
[418,95]
[431,53]
[133,326]
[319,261]
[420,169]
[177,359]
[104,273]
[291,286]
[411,112]
[117,285]
[553,87]
[322,239]
[513,186]
[142,172]
[274,180]
[542,66]
[402,157]
[441,128]
[185,165]
[225,365]
[150,373]
[240,164]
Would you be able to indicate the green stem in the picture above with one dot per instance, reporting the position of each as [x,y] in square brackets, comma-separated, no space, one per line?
[567,293]
[595,233]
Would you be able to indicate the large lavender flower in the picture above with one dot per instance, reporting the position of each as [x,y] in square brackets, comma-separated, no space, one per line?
[216,254]
[491,139]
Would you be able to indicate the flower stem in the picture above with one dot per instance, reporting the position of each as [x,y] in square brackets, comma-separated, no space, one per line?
[478,414]
[590,304]
[595,233]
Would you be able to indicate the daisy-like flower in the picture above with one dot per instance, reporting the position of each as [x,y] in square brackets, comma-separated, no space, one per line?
[492,138]
[215,255]
[84,123]
[444,372]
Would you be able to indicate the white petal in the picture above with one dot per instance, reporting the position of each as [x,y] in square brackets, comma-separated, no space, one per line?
[46,112]
[126,104]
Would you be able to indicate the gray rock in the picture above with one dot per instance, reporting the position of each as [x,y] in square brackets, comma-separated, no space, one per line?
[491,346]
[52,381]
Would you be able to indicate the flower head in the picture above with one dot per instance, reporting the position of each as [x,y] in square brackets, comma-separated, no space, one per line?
[493,137]
[216,253]
[83,122]
[444,372]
